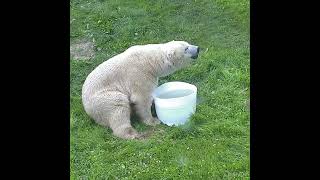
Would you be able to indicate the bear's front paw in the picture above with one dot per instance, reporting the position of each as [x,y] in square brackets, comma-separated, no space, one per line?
[153,121]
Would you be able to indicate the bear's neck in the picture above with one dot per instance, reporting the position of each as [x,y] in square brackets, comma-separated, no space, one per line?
[160,67]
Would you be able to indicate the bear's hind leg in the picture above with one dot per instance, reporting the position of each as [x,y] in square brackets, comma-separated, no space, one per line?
[120,123]
[112,109]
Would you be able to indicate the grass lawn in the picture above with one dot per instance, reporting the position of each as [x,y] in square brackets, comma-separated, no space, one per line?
[215,142]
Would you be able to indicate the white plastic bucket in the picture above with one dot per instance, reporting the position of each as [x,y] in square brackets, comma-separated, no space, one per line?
[175,102]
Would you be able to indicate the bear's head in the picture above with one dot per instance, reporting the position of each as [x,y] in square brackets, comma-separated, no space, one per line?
[180,53]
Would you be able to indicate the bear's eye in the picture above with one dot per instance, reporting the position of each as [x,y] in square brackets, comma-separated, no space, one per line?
[186,49]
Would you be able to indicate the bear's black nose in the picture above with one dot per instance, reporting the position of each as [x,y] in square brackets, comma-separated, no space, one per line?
[198,49]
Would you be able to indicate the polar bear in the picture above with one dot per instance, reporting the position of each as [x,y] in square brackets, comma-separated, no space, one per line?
[125,83]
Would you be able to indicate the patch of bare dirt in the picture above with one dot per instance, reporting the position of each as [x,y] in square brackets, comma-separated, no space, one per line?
[82,50]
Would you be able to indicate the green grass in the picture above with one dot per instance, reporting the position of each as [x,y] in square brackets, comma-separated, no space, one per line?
[215,143]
